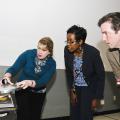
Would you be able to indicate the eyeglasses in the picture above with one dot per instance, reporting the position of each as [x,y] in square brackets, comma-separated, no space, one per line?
[70,42]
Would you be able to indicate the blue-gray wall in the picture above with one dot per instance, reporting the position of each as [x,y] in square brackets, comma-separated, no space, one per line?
[57,101]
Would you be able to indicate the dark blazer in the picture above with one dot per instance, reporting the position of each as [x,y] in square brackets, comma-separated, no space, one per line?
[93,69]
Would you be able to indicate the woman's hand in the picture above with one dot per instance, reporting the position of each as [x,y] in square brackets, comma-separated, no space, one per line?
[6,79]
[26,83]
[96,103]
[73,97]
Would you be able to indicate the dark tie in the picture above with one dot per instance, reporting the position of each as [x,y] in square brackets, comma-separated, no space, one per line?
[113,49]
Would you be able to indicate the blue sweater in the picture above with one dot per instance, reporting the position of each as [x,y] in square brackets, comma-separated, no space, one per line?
[26,62]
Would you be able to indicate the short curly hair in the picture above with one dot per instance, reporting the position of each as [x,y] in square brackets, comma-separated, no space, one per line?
[80,33]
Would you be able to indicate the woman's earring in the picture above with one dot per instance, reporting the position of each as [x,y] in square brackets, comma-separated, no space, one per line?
[81,42]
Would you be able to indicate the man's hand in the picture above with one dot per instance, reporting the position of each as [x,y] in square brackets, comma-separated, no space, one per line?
[118,81]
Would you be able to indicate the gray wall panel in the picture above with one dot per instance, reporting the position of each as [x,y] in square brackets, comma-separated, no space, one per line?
[57,100]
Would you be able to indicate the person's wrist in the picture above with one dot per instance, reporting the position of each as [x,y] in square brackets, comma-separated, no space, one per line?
[32,84]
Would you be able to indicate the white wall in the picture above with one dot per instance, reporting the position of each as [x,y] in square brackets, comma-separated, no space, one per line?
[24,22]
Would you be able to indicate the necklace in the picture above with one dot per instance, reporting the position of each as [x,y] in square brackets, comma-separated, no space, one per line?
[39,63]
[79,54]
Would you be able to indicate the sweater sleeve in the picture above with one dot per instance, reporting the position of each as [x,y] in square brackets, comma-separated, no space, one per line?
[18,64]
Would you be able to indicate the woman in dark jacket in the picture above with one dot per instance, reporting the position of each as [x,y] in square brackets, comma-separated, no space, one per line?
[85,74]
